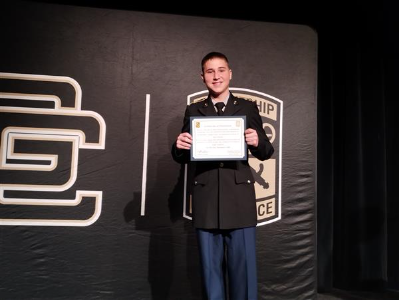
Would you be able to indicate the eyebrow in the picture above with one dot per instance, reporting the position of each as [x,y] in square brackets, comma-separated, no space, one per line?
[216,68]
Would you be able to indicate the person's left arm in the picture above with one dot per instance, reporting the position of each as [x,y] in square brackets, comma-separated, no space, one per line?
[255,136]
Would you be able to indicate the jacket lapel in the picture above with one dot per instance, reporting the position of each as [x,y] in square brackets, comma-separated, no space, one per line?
[207,108]
[232,107]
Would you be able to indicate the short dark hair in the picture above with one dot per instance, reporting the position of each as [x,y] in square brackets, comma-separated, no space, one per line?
[212,55]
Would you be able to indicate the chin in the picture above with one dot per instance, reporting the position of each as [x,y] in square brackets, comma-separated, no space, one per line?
[218,91]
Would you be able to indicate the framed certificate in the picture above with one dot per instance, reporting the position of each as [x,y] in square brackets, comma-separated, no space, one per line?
[218,138]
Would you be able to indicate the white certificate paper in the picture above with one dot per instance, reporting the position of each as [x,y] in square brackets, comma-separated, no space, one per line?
[218,138]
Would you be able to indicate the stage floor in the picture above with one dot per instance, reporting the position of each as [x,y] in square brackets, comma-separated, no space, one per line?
[357,295]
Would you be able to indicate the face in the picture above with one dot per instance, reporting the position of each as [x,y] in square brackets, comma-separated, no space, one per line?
[217,76]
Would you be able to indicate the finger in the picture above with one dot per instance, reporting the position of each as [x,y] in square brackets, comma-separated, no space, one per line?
[185,148]
[186,140]
[250,136]
[186,135]
[249,130]
[251,141]
[181,145]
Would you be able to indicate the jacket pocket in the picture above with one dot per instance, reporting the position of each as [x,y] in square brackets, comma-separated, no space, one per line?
[201,178]
[244,176]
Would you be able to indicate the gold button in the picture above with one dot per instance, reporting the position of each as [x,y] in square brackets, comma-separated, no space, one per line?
[221,165]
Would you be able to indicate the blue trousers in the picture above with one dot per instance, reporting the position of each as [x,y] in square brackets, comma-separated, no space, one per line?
[236,250]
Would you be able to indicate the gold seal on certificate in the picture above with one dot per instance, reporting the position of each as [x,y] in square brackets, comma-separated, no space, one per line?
[218,138]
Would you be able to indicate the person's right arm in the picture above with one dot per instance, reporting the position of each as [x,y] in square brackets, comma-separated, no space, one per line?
[181,147]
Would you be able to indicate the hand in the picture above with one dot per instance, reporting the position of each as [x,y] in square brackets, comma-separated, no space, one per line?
[184,141]
[251,137]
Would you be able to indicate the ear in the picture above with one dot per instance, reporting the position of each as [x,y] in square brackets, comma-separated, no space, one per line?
[231,74]
[202,77]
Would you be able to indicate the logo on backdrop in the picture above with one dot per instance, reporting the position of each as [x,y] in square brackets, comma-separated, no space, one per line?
[267,174]
[43,129]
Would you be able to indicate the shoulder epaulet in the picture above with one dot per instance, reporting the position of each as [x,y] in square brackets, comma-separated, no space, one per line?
[249,99]
[198,100]
[244,98]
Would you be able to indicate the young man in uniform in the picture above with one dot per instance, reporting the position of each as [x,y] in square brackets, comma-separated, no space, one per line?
[223,194]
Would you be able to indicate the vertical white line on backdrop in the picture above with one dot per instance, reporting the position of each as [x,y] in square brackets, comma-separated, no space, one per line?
[145,154]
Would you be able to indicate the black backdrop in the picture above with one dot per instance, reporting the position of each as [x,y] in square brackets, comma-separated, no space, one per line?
[117,58]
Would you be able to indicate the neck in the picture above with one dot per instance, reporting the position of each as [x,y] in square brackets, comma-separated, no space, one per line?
[221,97]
